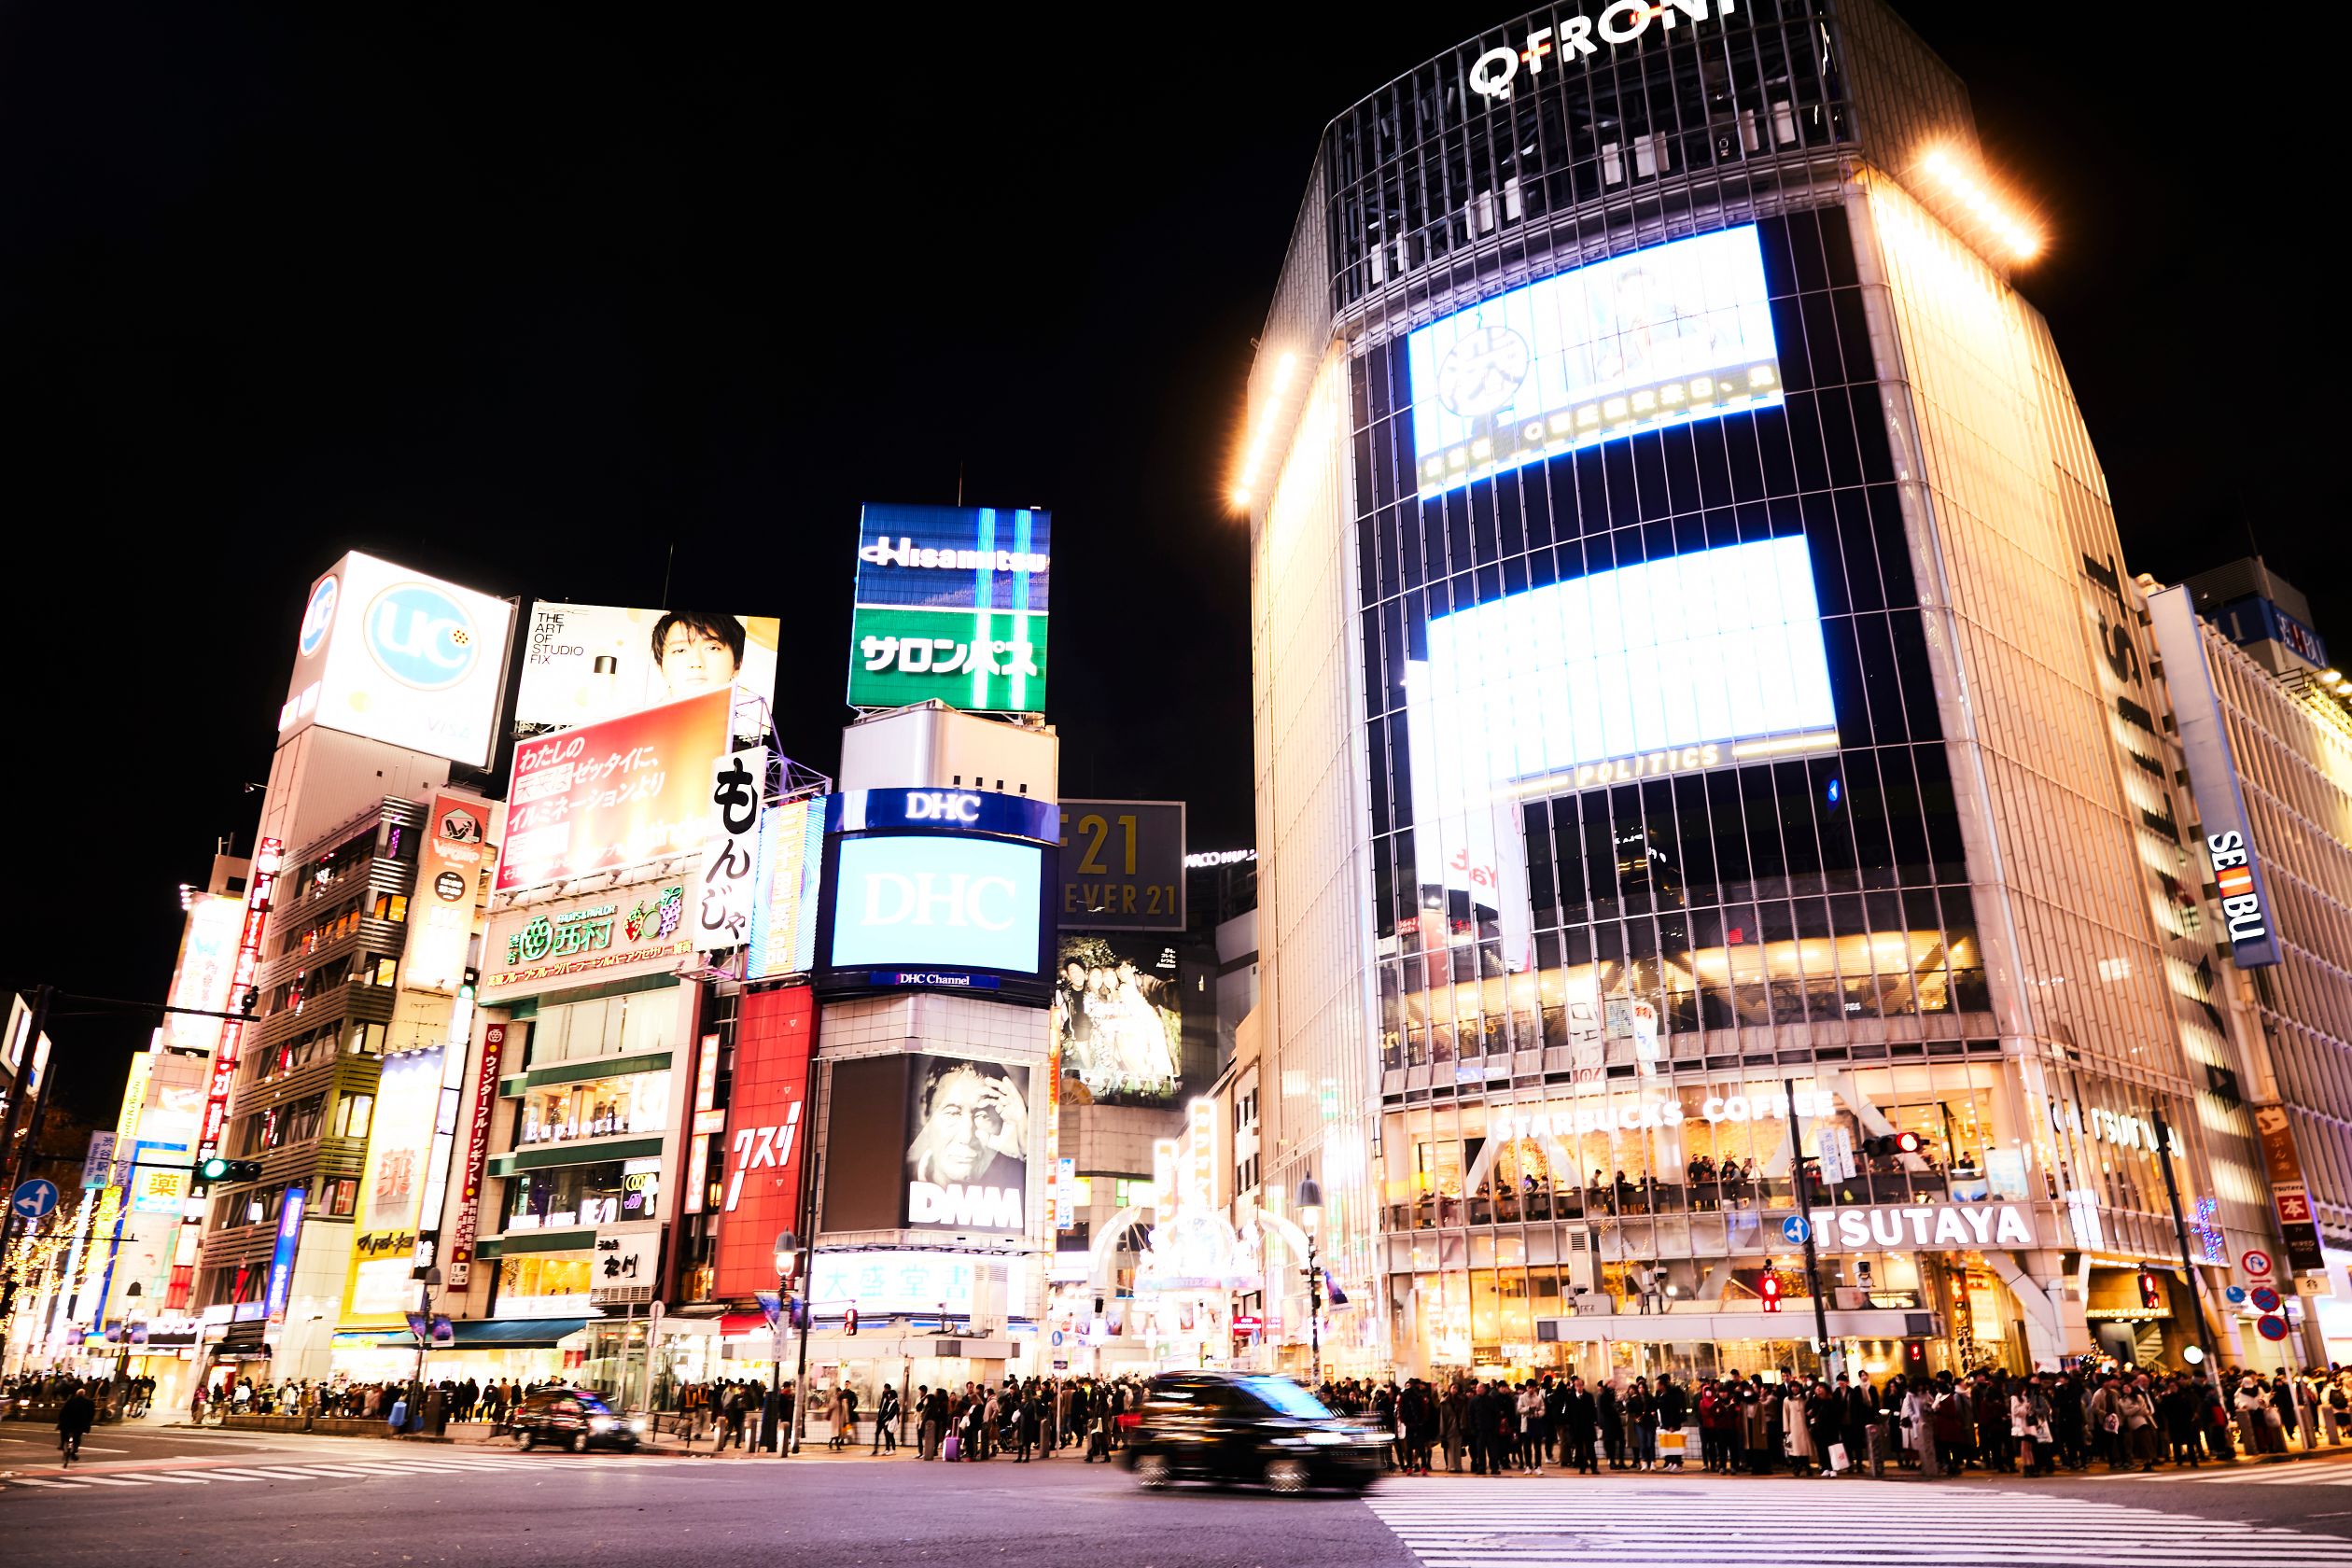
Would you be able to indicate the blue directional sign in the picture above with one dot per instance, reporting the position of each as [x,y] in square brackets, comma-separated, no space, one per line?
[2235,1294]
[1796,1229]
[34,1198]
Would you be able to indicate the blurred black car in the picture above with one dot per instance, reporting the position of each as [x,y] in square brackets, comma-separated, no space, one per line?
[574,1418]
[1223,1426]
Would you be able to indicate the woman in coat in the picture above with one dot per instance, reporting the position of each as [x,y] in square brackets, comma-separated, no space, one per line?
[1452,1412]
[1803,1459]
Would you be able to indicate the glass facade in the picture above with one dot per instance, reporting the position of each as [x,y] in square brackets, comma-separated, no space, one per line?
[1704,821]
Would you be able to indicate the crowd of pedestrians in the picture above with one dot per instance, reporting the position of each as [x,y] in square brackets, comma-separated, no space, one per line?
[1943,1424]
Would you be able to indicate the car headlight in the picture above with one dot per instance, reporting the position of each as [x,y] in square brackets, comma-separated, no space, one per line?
[636,1424]
[600,1423]
[1329,1439]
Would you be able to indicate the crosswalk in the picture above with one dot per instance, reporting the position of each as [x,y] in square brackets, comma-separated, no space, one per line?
[282,1470]
[2324,1469]
[1487,1523]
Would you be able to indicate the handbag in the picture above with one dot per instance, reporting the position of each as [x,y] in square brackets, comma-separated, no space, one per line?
[2270,1414]
[2111,1422]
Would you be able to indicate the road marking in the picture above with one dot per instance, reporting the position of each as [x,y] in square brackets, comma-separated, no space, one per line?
[174,1481]
[109,1481]
[27,1480]
[1484,1523]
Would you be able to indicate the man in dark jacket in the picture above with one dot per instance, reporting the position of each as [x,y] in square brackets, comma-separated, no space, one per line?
[1579,1416]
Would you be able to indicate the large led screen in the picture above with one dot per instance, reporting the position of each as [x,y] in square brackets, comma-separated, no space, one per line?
[935,898]
[1674,666]
[1677,332]
[951,604]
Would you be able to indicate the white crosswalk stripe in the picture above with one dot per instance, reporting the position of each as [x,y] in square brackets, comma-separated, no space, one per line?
[1481,1523]
[354,1469]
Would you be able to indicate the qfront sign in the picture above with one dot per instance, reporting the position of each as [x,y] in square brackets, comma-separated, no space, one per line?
[1577,37]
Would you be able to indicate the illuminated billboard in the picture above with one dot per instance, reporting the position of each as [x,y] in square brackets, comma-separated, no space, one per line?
[585,664]
[207,961]
[383,1236]
[784,917]
[616,794]
[951,604]
[1664,336]
[759,1182]
[1680,665]
[967,1145]
[396,656]
[1118,1018]
[441,918]
[937,898]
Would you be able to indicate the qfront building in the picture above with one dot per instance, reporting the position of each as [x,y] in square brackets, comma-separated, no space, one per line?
[1725,883]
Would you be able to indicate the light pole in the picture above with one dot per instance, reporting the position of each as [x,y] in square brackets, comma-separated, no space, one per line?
[427,1277]
[787,1258]
[1310,1220]
[123,1359]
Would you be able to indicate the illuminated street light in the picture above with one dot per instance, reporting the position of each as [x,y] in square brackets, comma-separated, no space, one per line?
[1982,205]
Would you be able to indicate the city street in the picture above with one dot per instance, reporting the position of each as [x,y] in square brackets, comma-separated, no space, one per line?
[159,1496]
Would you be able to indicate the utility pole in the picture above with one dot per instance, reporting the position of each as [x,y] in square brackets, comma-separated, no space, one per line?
[26,1111]
[1804,1213]
[2180,1228]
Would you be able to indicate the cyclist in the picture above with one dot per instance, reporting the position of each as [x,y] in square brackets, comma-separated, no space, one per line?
[73,1423]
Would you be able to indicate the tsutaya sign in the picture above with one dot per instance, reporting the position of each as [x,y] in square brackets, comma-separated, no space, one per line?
[1492,72]
[1927,1226]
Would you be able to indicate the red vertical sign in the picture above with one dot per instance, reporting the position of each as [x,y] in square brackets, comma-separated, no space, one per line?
[467,1224]
[760,1184]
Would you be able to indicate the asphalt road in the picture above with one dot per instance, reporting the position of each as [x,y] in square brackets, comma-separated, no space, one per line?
[165,1496]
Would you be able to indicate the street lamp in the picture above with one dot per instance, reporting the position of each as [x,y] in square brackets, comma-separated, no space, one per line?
[787,1260]
[123,1359]
[426,1278]
[1311,1219]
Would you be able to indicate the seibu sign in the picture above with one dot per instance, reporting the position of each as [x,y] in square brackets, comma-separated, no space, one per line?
[1578,37]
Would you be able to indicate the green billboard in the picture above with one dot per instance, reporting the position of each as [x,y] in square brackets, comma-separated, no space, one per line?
[951,604]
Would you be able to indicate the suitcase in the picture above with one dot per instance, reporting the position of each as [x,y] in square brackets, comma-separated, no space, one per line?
[948,1448]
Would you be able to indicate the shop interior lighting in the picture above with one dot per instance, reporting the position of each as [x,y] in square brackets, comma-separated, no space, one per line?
[1971,193]
[1284,368]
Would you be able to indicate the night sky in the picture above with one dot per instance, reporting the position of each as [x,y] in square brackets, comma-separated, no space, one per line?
[537,299]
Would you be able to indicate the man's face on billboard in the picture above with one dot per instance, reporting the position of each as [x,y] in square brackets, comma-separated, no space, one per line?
[692,661]
[964,1118]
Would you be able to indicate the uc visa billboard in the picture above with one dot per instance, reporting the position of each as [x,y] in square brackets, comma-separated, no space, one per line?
[938,890]
[951,605]
[394,655]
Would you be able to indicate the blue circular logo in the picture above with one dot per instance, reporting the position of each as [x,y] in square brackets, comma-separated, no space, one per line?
[422,636]
[319,614]
[1796,1229]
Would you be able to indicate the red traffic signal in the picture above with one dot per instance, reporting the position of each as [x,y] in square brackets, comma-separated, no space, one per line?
[1907,1143]
[1771,1290]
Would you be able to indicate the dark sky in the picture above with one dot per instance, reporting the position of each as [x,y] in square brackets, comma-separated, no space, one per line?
[529,301]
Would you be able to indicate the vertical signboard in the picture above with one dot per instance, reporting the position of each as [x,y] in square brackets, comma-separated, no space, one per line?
[784,915]
[761,1182]
[2229,846]
[2290,1195]
[260,885]
[465,1224]
[441,916]
[731,859]
[289,1233]
[384,1237]
[951,605]
[208,956]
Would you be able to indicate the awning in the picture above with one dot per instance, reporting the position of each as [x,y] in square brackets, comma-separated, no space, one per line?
[516,1333]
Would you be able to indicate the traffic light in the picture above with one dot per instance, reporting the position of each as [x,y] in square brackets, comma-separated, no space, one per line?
[850,1320]
[252,1000]
[1770,1289]
[1887,1148]
[2152,1294]
[217,1169]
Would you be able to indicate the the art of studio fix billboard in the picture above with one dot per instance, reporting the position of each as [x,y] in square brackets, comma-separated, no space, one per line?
[585,664]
